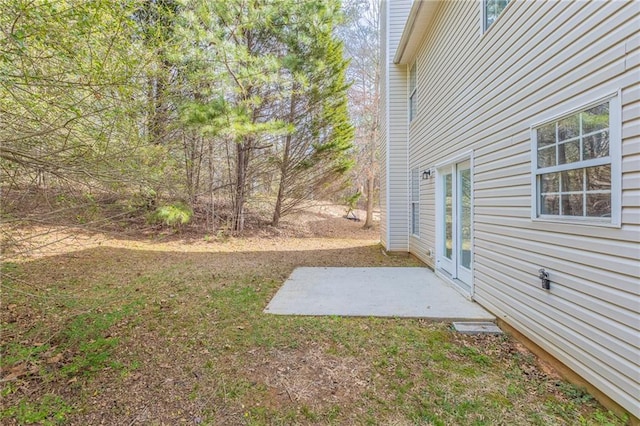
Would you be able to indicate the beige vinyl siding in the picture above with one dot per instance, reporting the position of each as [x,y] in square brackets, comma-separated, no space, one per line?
[538,60]
[395,174]
[424,247]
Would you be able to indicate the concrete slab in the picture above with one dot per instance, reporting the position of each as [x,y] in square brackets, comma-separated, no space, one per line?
[380,292]
[476,328]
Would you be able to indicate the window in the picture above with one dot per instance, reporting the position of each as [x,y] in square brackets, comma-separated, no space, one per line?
[415,201]
[412,92]
[491,10]
[575,165]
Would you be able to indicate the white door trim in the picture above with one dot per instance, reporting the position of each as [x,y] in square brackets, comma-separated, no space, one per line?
[451,269]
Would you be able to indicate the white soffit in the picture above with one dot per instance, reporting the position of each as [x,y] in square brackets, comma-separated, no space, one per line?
[420,17]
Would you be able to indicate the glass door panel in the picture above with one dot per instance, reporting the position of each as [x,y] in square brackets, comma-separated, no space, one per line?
[448,216]
[446,210]
[463,230]
[455,246]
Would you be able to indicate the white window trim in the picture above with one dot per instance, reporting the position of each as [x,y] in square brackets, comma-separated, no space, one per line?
[615,156]
[483,16]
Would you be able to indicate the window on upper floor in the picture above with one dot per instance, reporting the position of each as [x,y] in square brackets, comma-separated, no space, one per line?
[577,165]
[491,9]
[412,92]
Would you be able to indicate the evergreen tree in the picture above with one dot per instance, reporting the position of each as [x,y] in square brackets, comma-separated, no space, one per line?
[315,154]
[140,95]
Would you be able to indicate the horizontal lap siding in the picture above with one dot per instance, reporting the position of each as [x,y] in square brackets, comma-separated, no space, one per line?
[431,94]
[538,60]
[395,129]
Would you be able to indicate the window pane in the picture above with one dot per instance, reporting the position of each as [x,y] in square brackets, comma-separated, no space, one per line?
[546,135]
[599,178]
[572,205]
[547,156]
[488,21]
[596,118]
[572,141]
[493,8]
[550,182]
[599,205]
[572,180]
[569,128]
[415,218]
[448,215]
[490,12]
[596,145]
[549,204]
[465,218]
[569,152]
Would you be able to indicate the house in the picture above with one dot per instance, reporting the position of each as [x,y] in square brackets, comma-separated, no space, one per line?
[510,132]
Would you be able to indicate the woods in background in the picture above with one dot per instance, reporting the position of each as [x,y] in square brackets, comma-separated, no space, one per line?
[179,105]
[362,47]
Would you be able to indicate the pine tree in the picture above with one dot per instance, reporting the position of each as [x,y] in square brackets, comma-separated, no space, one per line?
[315,154]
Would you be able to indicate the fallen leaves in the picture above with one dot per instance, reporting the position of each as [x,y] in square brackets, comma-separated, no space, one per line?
[19,370]
[206,365]
[55,359]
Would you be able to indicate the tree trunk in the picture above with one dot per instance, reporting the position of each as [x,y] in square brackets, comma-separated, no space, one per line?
[371,178]
[211,217]
[193,154]
[370,194]
[284,168]
[242,159]
[281,186]
[158,120]
[159,107]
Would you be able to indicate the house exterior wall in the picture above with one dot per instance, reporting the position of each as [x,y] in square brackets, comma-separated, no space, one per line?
[393,131]
[481,93]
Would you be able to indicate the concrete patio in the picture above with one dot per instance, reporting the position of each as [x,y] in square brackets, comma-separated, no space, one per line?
[377,292]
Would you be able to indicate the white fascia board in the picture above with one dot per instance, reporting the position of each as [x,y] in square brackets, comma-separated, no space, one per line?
[420,16]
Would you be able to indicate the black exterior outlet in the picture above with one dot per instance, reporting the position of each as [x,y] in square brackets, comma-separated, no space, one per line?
[544,277]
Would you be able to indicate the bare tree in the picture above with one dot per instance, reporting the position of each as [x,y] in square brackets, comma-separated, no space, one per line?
[360,34]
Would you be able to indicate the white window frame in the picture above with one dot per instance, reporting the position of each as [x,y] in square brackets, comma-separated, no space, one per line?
[483,7]
[415,202]
[412,99]
[614,159]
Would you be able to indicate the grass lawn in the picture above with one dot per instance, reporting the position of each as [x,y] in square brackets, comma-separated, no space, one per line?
[155,332]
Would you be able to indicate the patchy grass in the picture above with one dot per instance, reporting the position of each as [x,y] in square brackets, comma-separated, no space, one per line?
[156,333]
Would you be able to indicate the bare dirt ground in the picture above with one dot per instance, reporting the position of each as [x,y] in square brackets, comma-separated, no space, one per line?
[324,224]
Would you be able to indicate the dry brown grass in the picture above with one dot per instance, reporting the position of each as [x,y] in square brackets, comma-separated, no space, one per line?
[168,329]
